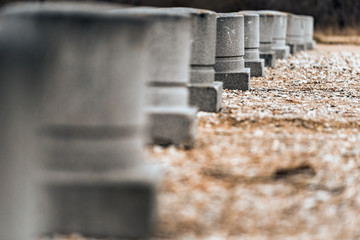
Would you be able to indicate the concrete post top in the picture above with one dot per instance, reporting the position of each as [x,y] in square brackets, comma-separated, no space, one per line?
[193,11]
[250,14]
[251,20]
[261,13]
[295,29]
[295,22]
[272,12]
[308,17]
[169,43]
[303,20]
[59,9]
[302,17]
[230,15]
[162,14]
[309,22]
[294,17]
[203,31]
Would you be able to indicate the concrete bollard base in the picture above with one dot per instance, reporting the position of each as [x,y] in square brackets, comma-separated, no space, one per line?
[172,125]
[269,58]
[256,67]
[281,52]
[310,45]
[239,80]
[206,97]
[79,202]
[295,48]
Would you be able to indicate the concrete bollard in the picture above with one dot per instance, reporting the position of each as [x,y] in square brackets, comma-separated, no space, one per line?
[229,63]
[172,120]
[266,37]
[18,153]
[295,33]
[92,112]
[279,34]
[205,93]
[309,31]
[252,44]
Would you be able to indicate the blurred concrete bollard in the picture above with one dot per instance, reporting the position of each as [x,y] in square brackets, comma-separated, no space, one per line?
[92,115]
[252,44]
[18,155]
[229,63]
[266,38]
[205,93]
[172,120]
[295,33]
[279,34]
[309,31]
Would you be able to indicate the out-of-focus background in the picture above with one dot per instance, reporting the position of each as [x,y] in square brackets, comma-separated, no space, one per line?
[331,16]
[334,19]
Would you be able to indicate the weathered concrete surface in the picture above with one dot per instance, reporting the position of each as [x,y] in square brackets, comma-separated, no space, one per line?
[295,33]
[93,64]
[173,125]
[19,76]
[266,37]
[279,34]
[309,31]
[207,98]
[239,80]
[230,49]
[257,67]
[204,93]
[168,67]
[117,203]
[252,44]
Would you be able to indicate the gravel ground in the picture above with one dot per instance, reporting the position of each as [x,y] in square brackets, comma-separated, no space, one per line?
[279,161]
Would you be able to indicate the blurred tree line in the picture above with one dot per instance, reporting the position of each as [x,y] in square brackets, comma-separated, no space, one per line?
[332,16]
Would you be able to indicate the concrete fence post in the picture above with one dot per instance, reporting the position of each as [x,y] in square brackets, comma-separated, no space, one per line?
[295,33]
[252,44]
[266,30]
[279,34]
[230,50]
[309,31]
[91,118]
[205,93]
[171,119]
[19,57]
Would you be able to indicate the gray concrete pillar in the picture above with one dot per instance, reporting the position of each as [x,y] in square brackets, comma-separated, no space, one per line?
[205,93]
[92,116]
[18,155]
[279,34]
[252,44]
[172,120]
[309,31]
[229,63]
[266,37]
[295,33]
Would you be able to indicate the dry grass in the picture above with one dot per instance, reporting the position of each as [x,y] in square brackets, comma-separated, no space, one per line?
[337,39]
